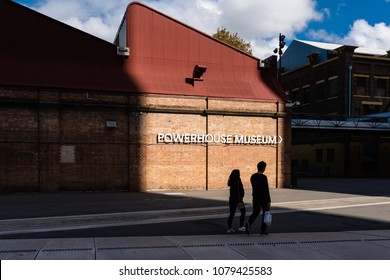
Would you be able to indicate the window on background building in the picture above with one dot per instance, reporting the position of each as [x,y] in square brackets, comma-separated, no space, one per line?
[305,165]
[382,88]
[371,109]
[295,95]
[295,83]
[361,85]
[387,92]
[332,92]
[330,155]
[319,155]
[306,94]
[321,90]
[357,111]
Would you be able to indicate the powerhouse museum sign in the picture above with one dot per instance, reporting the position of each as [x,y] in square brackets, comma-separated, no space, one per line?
[240,139]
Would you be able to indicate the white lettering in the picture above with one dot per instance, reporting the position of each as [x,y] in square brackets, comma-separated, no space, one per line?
[168,138]
[241,139]
[160,137]
[223,139]
[238,139]
[178,138]
[193,138]
[272,139]
[209,138]
[253,139]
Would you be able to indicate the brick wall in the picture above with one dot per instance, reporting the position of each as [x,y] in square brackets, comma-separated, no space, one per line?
[56,140]
[207,166]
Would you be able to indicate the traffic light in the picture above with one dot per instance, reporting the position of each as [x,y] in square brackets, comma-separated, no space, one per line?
[282,43]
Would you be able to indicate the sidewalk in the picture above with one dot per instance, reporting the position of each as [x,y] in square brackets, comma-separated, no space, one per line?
[361,245]
[359,208]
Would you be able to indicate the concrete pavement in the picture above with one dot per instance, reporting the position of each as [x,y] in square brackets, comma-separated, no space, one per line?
[28,213]
[360,245]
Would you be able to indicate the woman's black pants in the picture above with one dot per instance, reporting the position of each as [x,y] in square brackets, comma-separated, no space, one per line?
[232,207]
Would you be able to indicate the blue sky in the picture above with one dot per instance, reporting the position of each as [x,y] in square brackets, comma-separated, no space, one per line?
[343,15]
[353,22]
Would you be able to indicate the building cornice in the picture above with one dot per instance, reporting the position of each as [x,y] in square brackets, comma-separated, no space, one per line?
[387,59]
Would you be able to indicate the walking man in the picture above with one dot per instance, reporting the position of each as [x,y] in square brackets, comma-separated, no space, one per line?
[261,197]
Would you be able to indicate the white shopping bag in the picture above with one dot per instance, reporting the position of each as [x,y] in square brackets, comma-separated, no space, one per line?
[267,218]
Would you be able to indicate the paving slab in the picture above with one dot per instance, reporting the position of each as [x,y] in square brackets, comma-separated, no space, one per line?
[20,250]
[68,249]
[142,253]
[354,250]
[136,248]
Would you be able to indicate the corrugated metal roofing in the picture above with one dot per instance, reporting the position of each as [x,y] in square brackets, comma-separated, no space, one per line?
[40,51]
[165,51]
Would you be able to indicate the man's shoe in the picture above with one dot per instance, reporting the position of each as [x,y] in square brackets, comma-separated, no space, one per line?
[230,230]
[247,229]
[242,229]
[264,233]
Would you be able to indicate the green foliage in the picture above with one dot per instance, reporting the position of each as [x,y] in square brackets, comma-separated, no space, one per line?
[232,39]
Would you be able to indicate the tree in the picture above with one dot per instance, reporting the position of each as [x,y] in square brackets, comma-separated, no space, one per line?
[233,40]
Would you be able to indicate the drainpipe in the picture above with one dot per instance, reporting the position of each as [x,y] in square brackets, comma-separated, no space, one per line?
[349,90]
[207,146]
[277,144]
[39,140]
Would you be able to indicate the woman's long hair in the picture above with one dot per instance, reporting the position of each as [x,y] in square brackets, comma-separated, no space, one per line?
[234,176]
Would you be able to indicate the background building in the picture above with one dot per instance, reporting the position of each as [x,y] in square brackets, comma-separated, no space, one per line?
[79,113]
[341,127]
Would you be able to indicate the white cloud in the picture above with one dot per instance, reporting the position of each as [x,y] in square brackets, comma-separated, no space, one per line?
[365,35]
[200,14]
[323,35]
[265,19]
[100,18]
[257,21]
[361,34]
[95,26]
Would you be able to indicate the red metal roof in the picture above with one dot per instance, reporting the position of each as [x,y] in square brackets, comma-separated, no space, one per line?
[39,51]
[165,51]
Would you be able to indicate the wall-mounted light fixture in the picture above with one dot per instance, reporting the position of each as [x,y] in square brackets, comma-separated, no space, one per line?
[198,72]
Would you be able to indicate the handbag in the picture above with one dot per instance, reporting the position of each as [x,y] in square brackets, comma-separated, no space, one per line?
[267,218]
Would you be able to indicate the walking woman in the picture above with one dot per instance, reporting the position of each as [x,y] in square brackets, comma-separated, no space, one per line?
[236,200]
